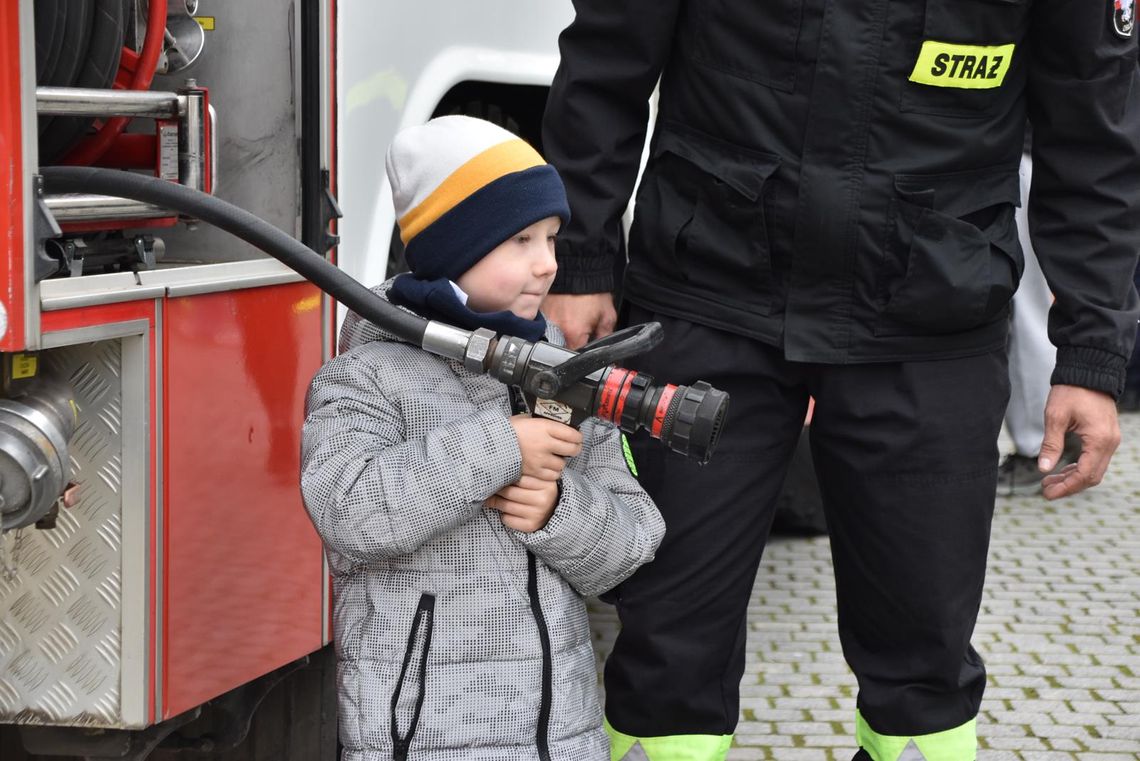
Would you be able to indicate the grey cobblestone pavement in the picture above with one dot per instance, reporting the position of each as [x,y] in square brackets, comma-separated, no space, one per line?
[1059,630]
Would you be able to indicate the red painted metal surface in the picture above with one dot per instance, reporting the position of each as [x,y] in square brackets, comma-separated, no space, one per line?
[132,151]
[106,314]
[117,224]
[11,182]
[243,564]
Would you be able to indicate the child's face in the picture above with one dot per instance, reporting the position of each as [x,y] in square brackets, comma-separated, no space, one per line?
[517,273]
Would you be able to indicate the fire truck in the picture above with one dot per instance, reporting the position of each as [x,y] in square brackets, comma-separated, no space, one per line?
[161,588]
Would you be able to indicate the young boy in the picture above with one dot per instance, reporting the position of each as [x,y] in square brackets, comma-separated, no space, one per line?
[461,534]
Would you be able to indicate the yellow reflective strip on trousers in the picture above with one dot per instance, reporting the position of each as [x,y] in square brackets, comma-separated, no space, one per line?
[668,747]
[969,67]
[957,744]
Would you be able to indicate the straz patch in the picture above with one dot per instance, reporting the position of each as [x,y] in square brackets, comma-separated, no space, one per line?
[1123,16]
[968,67]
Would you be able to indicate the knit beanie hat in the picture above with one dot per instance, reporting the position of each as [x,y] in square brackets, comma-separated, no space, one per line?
[462,186]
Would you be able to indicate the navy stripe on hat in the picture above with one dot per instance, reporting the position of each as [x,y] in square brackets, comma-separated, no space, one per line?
[479,223]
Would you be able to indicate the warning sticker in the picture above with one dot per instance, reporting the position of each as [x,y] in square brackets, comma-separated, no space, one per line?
[552,410]
[24,365]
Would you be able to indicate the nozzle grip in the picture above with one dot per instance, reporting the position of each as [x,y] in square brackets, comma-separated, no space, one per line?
[627,342]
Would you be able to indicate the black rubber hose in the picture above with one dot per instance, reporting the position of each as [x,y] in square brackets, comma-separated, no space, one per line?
[253,230]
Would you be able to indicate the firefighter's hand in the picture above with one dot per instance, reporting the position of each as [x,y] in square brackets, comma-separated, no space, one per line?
[1092,416]
[525,505]
[545,446]
[581,316]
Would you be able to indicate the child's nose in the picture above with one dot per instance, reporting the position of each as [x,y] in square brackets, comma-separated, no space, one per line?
[545,263]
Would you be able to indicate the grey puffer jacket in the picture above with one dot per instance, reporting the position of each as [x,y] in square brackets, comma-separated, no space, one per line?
[443,651]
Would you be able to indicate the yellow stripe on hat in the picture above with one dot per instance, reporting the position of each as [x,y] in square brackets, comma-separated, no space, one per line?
[486,167]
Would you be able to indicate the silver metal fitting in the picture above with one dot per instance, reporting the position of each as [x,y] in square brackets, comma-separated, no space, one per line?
[446,340]
[475,356]
[505,365]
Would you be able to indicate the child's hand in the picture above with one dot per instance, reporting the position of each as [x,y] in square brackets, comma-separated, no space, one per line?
[526,505]
[545,445]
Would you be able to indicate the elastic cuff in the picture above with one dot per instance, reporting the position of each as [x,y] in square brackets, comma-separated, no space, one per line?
[1090,368]
[584,269]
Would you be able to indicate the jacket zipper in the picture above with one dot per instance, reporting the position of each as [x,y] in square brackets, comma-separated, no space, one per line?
[423,618]
[547,661]
[518,405]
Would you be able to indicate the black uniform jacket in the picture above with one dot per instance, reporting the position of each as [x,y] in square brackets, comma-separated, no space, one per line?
[839,177]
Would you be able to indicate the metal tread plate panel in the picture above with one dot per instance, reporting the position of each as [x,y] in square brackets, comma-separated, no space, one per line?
[61,589]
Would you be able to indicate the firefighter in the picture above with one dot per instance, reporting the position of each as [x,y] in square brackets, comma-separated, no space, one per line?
[827,210]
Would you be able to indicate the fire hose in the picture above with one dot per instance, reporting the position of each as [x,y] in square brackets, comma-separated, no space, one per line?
[559,383]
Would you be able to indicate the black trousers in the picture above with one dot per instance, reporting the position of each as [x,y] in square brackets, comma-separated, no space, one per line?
[906,455]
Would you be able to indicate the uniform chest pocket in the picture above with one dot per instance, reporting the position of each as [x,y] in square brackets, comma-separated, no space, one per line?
[754,41]
[966,60]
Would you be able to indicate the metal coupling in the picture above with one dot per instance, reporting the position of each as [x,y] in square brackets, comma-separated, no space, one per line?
[478,347]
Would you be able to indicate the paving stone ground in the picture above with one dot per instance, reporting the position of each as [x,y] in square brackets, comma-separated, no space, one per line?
[1059,630]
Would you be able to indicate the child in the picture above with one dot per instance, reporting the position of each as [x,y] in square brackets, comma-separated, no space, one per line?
[462,537]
